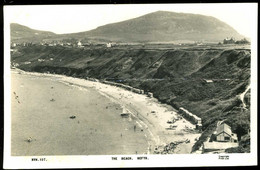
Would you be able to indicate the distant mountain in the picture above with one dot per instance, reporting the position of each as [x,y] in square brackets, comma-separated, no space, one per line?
[160,26]
[165,26]
[20,33]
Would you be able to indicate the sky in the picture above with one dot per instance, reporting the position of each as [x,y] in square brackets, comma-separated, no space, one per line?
[76,18]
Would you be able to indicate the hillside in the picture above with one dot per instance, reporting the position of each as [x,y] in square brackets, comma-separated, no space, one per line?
[160,26]
[20,33]
[165,26]
[176,77]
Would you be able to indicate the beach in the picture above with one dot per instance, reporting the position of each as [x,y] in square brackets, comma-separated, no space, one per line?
[59,115]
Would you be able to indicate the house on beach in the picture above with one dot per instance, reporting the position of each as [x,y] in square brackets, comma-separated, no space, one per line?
[224,133]
[221,139]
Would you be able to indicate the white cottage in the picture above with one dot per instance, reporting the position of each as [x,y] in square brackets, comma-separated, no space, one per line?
[79,44]
[109,45]
[224,134]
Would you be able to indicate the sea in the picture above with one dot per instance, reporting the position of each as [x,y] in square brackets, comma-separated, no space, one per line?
[50,117]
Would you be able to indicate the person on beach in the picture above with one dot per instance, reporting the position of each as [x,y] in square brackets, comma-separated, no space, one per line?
[29,139]
[134,127]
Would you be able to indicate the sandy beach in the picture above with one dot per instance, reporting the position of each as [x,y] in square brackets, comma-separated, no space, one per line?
[46,103]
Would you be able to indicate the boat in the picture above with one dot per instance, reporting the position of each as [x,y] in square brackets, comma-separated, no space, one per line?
[125,113]
[172,127]
[170,122]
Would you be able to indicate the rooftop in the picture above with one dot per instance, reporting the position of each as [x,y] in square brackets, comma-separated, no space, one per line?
[224,127]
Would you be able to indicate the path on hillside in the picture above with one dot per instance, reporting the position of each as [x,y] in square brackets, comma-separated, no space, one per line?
[242,96]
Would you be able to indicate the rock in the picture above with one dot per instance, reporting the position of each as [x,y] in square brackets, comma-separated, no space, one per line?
[72,117]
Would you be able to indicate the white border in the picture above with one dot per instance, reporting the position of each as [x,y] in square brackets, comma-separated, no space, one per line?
[177,160]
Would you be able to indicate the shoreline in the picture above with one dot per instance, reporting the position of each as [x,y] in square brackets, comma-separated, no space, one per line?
[150,115]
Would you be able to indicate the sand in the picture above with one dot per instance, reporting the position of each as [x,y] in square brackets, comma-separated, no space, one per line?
[97,107]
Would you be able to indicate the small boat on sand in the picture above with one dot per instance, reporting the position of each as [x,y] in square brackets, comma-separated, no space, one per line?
[171,121]
[125,113]
[171,127]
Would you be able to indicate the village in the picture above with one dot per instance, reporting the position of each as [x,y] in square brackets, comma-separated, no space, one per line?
[73,43]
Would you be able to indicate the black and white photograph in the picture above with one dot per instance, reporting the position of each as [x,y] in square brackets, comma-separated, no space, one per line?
[130,85]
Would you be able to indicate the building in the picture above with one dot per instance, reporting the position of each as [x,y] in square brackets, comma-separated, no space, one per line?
[242,41]
[208,81]
[109,45]
[224,134]
[136,90]
[198,43]
[41,60]
[199,126]
[149,94]
[27,62]
[188,115]
[220,140]
[79,44]
[15,64]
[191,117]
[229,41]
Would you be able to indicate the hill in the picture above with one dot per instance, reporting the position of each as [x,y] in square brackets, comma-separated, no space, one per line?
[160,26]
[20,33]
[164,26]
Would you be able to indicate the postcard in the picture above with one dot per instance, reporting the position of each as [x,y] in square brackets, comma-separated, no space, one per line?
[133,85]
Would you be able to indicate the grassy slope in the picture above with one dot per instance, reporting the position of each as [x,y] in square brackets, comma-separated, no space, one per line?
[164,26]
[20,33]
[181,74]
